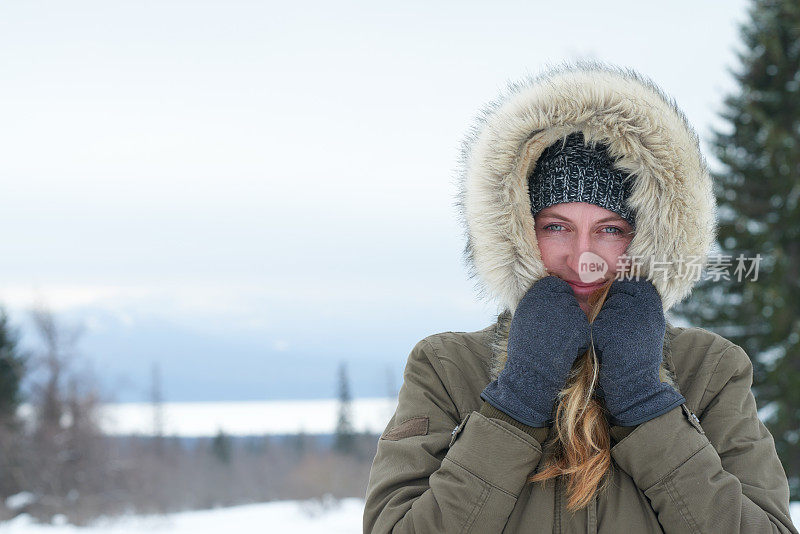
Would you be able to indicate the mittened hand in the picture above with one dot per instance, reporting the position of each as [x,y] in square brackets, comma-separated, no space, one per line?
[628,336]
[548,332]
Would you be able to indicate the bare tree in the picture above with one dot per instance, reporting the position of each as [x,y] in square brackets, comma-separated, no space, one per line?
[157,400]
[53,363]
[67,460]
[344,437]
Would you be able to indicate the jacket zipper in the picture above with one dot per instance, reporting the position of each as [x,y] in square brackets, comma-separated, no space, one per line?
[693,420]
[557,515]
[591,516]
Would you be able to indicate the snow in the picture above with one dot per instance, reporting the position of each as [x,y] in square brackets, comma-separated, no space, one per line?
[20,500]
[243,418]
[299,517]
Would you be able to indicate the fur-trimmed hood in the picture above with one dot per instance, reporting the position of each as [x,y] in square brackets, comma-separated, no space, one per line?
[672,195]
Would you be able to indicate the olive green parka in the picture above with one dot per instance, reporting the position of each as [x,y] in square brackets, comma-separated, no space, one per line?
[446,464]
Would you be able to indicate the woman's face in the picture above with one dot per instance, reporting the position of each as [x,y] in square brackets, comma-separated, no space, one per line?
[580,243]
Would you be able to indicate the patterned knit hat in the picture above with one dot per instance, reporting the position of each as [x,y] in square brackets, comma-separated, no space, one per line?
[575,172]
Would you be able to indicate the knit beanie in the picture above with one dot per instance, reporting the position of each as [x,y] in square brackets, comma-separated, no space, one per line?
[571,171]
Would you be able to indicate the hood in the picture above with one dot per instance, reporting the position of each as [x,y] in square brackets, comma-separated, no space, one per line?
[647,134]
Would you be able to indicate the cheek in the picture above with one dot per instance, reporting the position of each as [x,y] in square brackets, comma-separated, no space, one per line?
[550,251]
[611,252]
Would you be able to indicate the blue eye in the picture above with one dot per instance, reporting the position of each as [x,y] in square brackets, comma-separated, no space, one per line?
[555,227]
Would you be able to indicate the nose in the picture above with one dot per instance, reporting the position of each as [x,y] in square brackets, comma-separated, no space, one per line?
[581,243]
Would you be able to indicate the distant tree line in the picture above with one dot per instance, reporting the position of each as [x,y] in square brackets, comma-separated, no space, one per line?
[55,460]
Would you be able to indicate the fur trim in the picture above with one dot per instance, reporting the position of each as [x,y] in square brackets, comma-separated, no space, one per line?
[672,193]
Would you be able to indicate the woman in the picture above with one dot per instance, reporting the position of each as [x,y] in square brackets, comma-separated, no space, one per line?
[584,196]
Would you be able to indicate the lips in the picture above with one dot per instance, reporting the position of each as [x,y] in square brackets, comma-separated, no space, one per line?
[580,284]
[582,290]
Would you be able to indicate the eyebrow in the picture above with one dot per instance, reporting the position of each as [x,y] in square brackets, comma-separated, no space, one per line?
[559,216]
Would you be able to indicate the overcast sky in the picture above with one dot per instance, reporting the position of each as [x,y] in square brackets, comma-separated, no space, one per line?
[230,188]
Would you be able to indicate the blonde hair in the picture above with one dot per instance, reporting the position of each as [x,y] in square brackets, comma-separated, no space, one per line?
[580,431]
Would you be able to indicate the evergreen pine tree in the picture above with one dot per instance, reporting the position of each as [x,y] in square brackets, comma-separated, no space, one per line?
[757,193]
[221,447]
[12,367]
[345,438]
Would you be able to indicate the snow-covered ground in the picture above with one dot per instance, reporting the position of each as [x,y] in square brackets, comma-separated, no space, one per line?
[198,419]
[298,517]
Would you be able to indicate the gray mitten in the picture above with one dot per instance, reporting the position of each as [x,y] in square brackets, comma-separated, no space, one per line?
[628,336]
[548,332]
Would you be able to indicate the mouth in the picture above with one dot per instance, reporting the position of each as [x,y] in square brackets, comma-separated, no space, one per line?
[582,284]
[582,289]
